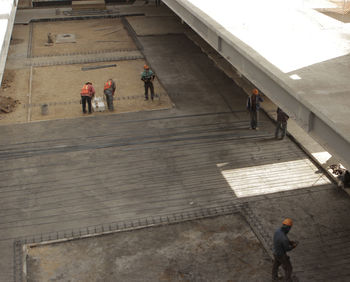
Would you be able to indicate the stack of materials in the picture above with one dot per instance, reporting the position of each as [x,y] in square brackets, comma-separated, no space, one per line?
[98,105]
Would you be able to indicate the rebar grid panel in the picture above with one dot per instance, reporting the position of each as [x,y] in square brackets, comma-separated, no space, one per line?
[107,228]
[82,61]
[89,52]
[257,227]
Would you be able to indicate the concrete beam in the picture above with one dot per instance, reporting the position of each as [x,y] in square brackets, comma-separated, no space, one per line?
[263,74]
[7,17]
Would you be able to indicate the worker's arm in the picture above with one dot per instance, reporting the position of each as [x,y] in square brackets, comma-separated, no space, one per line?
[143,76]
[113,88]
[92,91]
[293,244]
[287,246]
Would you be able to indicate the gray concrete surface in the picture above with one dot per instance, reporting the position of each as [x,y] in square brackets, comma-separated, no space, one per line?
[296,55]
[62,177]
[221,248]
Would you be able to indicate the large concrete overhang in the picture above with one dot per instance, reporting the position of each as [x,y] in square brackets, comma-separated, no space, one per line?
[296,55]
[7,17]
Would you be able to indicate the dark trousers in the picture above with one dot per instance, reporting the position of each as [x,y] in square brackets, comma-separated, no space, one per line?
[85,99]
[281,125]
[286,265]
[254,115]
[109,98]
[150,86]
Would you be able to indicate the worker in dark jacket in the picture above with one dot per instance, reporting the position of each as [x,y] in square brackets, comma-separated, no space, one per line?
[253,106]
[147,77]
[282,119]
[282,245]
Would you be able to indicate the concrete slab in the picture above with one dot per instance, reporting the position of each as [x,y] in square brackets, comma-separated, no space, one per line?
[151,25]
[91,36]
[306,142]
[66,177]
[216,249]
[297,56]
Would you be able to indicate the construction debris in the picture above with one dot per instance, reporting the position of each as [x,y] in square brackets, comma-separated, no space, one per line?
[66,38]
[337,169]
[98,105]
[49,39]
[7,104]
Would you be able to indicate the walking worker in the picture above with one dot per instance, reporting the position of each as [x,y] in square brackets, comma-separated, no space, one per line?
[282,245]
[87,92]
[282,119]
[147,77]
[108,90]
[253,106]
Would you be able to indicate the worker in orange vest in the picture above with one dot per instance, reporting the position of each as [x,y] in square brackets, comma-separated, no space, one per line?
[87,93]
[109,89]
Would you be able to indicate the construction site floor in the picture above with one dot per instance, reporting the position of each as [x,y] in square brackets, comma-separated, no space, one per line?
[190,177]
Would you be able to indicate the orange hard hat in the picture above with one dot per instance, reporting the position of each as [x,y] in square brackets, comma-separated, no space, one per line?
[146,67]
[255,91]
[287,222]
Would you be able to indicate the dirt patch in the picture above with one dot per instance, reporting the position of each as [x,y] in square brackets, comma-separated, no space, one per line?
[91,36]
[215,249]
[13,96]
[7,104]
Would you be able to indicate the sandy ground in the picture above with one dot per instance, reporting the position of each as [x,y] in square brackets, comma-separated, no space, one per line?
[91,36]
[63,95]
[59,86]
[215,249]
[18,45]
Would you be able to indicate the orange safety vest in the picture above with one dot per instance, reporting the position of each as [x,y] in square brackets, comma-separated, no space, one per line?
[108,85]
[85,90]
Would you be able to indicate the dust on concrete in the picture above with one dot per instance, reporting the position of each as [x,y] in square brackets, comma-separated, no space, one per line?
[214,249]
[8,101]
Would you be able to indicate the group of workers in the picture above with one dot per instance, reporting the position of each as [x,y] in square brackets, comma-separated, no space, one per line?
[253,106]
[281,243]
[88,91]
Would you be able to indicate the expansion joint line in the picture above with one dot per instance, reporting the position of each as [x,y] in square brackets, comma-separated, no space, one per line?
[257,227]
[29,102]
